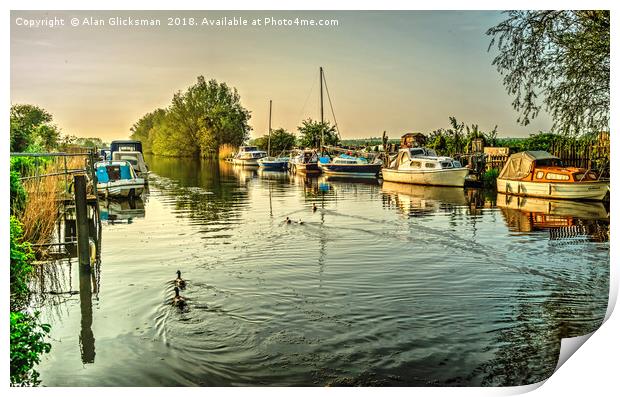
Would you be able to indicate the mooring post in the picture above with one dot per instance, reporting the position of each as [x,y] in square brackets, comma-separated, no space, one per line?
[81,220]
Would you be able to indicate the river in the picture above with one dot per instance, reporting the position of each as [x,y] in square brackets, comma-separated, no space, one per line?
[384,284]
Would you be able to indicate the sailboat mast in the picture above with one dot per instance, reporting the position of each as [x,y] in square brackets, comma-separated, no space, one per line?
[269,140]
[321,81]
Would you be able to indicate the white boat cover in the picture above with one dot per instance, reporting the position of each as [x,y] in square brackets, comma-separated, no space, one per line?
[519,165]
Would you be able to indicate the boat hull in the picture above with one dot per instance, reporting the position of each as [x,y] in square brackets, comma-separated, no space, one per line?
[246,162]
[305,167]
[273,164]
[124,188]
[596,190]
[443,177]
[351,170]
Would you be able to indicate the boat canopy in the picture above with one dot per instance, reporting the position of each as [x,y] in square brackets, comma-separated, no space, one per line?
[519,165]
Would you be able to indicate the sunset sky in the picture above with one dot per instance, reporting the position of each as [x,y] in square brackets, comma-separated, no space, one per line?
[393,71]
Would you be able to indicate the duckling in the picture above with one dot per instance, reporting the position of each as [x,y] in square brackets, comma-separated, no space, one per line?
[287,220]
[300,222]
[178,300]
[314,207]
[179,282]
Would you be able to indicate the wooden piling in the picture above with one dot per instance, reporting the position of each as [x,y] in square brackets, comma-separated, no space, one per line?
[81,218]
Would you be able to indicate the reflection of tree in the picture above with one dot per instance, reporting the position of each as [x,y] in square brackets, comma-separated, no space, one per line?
[219,195]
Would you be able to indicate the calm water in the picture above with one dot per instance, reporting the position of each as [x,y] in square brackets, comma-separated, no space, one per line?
[383,285]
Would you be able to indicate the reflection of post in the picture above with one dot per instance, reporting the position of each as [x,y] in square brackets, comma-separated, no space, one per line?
[87,339]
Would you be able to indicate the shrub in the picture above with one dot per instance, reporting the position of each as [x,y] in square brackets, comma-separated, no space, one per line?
[489,178]
[21,268]
[18,194]
[27,345]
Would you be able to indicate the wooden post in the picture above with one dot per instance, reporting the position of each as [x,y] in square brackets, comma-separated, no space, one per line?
[81,219]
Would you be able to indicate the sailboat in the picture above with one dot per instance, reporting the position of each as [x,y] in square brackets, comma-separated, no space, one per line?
[272,163]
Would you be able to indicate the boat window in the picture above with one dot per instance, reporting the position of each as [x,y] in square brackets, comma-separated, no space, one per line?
[540,174]
[580,176]
[456,164]
[416,164]
[446,164]
[416,151]
[557,177]
[430,165]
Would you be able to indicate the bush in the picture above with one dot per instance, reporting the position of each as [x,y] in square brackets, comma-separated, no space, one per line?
[27,345]
[18,194]
[489,178]
[21,268]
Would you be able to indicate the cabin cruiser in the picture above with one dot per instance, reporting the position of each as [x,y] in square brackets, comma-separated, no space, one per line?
[422,166]
[304,161]
[346,165]
[274,163]
[541,174]
[117,178]
[135,159]
[248,155]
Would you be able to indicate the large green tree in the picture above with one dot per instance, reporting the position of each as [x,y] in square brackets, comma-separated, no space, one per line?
[142,129]
[311,132]
[559,61]
[281,140]
[31,129]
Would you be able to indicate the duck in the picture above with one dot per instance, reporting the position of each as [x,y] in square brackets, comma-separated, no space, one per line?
[314,207]
[178,300]
[179,282]
[287,220]
[300,222]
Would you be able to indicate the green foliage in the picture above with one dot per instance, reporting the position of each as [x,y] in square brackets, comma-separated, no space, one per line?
[27,345]
[458,137]
[489,178]
[91,142]
[32,130]
[311,132]
[281,140]
[18,193]
[21,268]
[198,122]
[561,56]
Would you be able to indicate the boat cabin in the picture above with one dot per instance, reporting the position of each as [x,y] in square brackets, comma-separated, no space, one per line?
[541,166]
[126,146]
[250,152]
[134,158]
[423,159]
[110,171]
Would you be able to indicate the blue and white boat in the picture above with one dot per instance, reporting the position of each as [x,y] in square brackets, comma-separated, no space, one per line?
[350,166]
[117,178]
[273,163]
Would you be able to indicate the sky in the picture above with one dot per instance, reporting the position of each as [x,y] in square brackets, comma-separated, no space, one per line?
[398,71]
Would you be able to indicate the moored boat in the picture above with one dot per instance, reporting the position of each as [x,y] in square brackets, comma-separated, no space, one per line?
[541,174]
[135,159]
[117,178]
[422,166]
[349,166]
[304,161]
[273,163]
[248,156]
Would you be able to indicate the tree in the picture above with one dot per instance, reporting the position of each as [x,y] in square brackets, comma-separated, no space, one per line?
[311,132]
[142,129]
[281,140]
[32,129]
[560,56]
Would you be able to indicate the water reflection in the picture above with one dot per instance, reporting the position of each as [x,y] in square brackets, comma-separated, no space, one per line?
[121,210]
[418,200]
[562,218]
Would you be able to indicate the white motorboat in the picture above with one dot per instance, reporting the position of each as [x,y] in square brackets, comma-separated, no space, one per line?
[422,166]
[248,156]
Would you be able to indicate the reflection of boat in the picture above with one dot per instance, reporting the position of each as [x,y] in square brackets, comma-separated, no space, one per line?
[267,173]
[563,218]
[112,210]
[345,165]
[412,198]
[348,179]
[553,208]
[304,161]
[248,155]
[540,174]
[422,166]
[118,179]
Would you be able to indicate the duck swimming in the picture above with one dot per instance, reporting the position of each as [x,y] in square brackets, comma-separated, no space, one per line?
[300,222]
[314,207]
[178,300]
[179,282]
[287,220]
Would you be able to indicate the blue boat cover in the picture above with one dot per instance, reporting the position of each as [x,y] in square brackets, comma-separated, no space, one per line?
[324,160]
[102,175]
[125,172]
